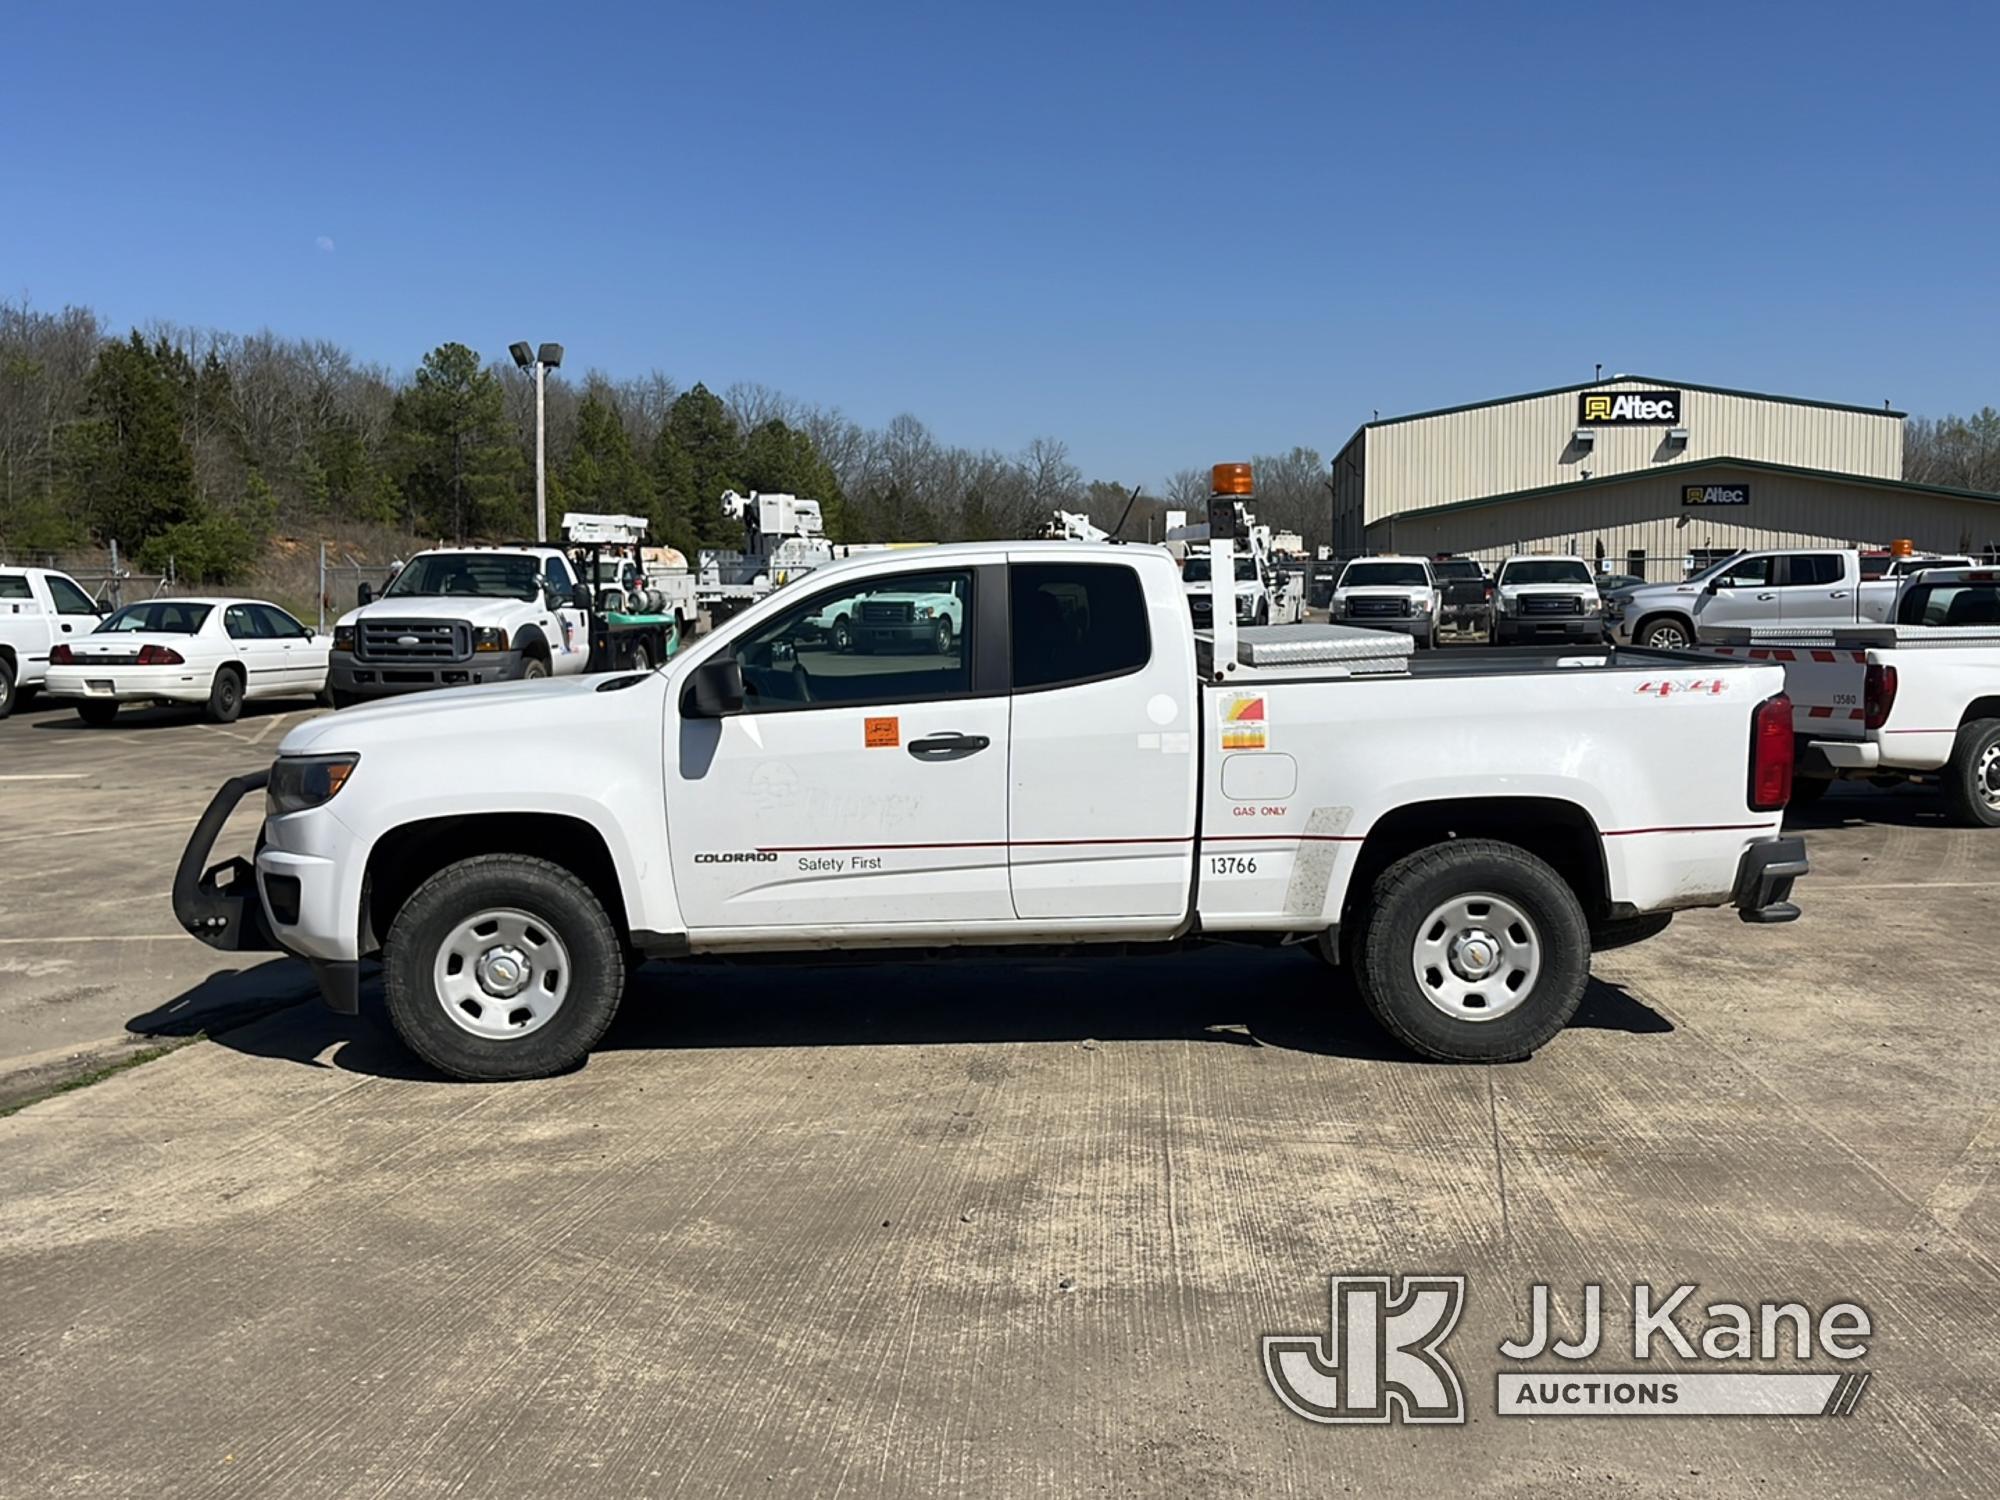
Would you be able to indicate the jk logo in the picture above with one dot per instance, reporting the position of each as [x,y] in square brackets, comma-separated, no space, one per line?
[1380,1360]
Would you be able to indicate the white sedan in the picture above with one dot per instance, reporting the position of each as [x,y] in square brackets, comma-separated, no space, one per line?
[215,652]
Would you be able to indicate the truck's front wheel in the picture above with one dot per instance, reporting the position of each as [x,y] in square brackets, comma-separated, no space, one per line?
[1473,951]
[502,967]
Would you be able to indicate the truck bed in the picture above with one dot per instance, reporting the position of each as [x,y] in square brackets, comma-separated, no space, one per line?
[1332,653]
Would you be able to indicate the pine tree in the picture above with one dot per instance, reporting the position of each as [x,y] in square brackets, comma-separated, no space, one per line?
[698,456]
[460,464]
[782,459]
[131,474]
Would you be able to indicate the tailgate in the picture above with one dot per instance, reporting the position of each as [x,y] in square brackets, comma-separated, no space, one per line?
[1825,684]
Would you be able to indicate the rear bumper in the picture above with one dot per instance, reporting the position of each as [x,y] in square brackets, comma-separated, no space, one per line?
[1836,757]
[128,684]
[1764,880]
[353,677]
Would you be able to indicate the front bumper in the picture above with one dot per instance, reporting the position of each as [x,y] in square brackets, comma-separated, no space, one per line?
[1764,880]
[917,635]
[1400,624]
[230,905]
[351,676]
[1509,630]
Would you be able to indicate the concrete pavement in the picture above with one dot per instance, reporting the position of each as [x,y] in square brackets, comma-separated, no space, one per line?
[1017,1228]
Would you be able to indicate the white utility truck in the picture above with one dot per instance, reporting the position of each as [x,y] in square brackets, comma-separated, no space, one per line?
[1546,599]
[472,616]
[1388,593]
[1263,592]
[1079,768]
[1917,700]
[784,538]
[39,609]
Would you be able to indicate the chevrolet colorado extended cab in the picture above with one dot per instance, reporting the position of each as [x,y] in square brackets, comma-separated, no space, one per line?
[39,610]
[1079,767]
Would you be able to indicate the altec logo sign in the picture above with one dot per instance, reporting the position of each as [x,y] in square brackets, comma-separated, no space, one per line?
[1628,408]
[1715,494]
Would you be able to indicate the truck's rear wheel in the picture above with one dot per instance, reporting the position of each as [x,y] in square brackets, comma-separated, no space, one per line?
[641,659]
[1806,790]
[6,687]
[1473,951]
[502,967]
[1971,778]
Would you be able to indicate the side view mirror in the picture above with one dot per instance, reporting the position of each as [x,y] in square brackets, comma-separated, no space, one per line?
[1712,586]
[579,596]
[364,594]
[717,686]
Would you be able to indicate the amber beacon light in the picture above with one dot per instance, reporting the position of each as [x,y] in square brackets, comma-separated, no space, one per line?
[1230,479]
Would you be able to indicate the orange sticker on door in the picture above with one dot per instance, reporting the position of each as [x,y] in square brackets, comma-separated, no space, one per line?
[1244,725]
[882,733]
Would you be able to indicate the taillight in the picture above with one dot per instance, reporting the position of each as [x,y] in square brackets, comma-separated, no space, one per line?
[62,656]
[1489,589]
[160,656]
[1878,695]
[1771,755]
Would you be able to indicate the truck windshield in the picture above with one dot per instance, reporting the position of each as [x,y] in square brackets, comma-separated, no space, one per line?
[1195,570]
[159,616]
[479,575]
[1366,575]
[1545,570]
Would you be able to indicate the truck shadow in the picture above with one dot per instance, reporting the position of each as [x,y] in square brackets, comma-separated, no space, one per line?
[1858,805]
[1234,997]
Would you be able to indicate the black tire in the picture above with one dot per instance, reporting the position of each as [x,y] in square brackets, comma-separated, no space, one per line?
[1971,778]
[641,659]
[557,901]
[842,635]
[341,699]
[97,712]
[1403,900]
[225,697]
[326,697]
[1806,790]
[534,669]
[6,687]
[941,642]
[1651,632]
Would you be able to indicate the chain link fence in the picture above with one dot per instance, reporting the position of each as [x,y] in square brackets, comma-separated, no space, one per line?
[103,574]
[340,578]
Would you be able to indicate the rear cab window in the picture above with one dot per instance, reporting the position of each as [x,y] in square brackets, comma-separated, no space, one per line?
[1075,622]
[15,586]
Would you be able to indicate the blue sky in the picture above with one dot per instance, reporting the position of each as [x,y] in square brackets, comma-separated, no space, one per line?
[1167,234]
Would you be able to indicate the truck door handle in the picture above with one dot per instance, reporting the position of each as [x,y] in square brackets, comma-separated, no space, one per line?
[1765,598]
[1838,594]
[948,746]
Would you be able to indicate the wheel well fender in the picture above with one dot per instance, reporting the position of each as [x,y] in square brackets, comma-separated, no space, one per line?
[1980,708]
[530,641]
[1558,832]
[1656,615]
[407,856]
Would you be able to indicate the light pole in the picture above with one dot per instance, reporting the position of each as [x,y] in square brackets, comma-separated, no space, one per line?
[541,361]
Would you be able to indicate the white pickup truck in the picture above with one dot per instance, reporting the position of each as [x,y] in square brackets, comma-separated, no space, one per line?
[1389,593]
[39,610]
[1080,767]
[1916,700]
[1546,599]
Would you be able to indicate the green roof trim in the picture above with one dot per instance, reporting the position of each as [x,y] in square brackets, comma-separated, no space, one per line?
[1659,381]
[1668,471]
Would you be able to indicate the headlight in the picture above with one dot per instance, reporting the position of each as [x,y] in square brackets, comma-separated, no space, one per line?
[925,611]
[302,781]
[1593,605]
[1422,606]
[489,638]
[1246,606]
[343,638]
[1502,603]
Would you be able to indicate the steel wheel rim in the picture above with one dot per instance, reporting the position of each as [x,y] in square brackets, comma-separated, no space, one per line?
[502,973]
[1669,636]
[1476,956]
[1986,776]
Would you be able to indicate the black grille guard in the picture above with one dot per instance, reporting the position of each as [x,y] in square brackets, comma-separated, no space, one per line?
[219,904]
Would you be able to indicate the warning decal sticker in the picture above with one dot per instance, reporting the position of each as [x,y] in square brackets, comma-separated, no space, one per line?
[882,733]
[1244,725]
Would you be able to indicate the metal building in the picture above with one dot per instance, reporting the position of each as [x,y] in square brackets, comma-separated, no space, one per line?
[1645,474]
